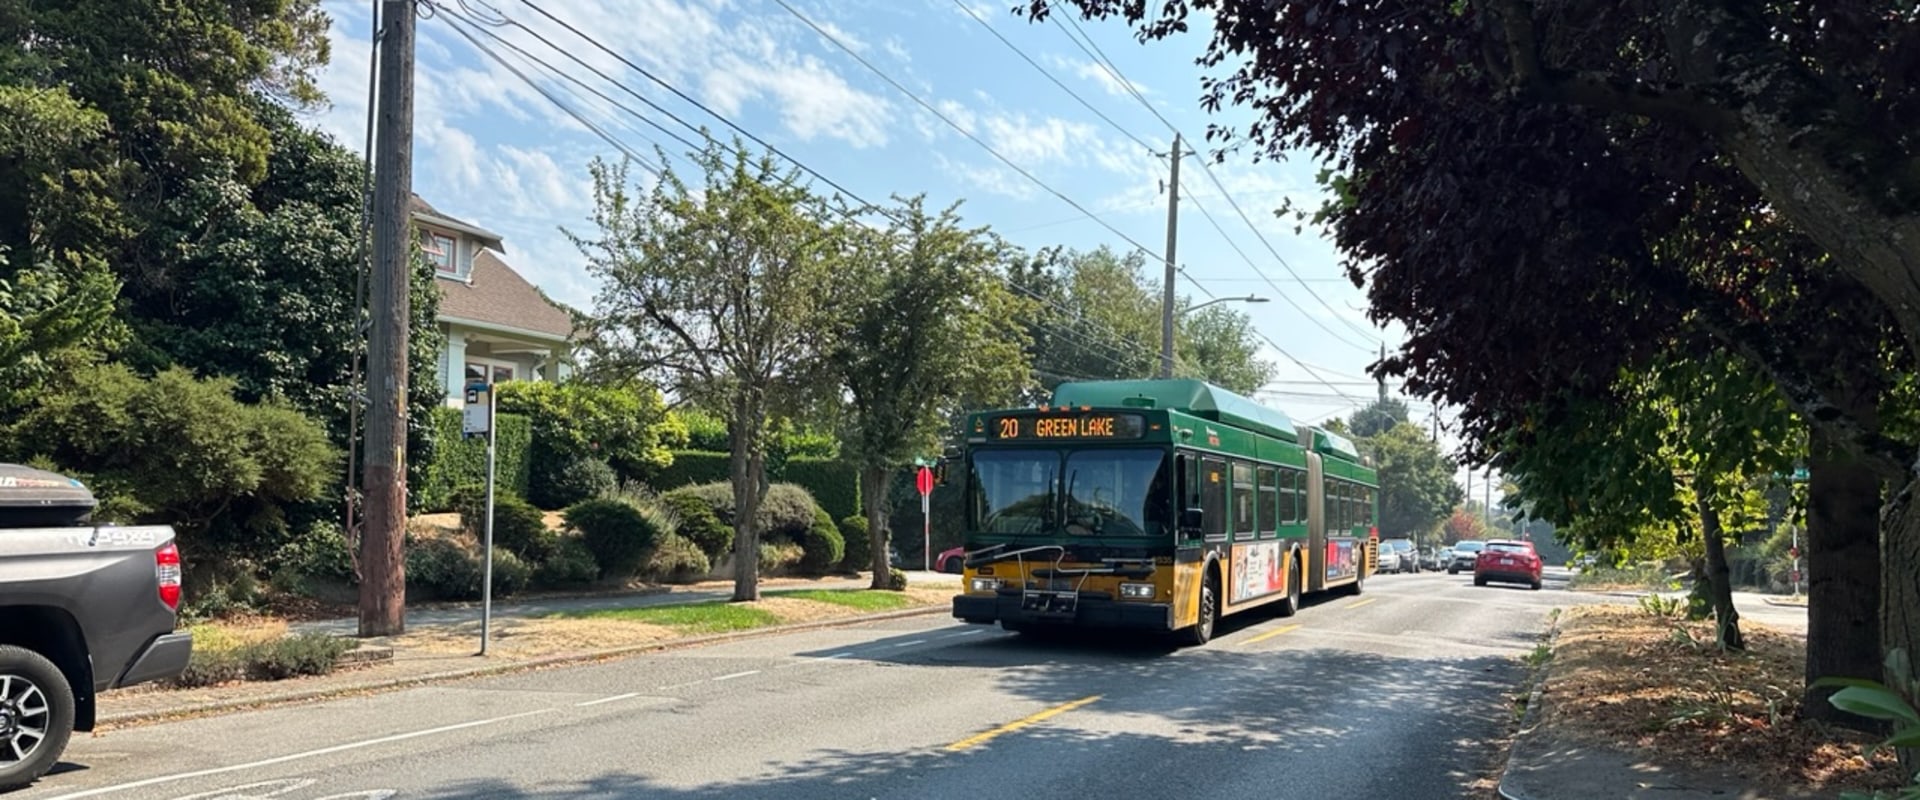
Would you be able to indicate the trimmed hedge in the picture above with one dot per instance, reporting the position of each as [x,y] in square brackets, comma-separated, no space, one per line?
[457,460]
[518,526]
[834,484]
[698,524]
[621,535]
[823,545]
[858,542]
[692,468]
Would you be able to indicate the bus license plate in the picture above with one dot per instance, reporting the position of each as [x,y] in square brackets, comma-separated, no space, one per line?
[1050,603]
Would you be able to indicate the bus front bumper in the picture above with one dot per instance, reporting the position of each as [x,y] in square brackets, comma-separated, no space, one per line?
[1015,608]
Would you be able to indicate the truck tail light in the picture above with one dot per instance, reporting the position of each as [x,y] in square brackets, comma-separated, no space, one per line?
[166,568]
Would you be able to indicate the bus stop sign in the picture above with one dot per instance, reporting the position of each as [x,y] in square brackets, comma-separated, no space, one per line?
[924,481]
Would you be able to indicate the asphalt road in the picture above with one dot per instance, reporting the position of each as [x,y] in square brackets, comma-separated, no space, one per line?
[1399,693]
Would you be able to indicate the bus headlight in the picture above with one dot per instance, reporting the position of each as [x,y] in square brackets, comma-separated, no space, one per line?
[1143,591]
[986,584]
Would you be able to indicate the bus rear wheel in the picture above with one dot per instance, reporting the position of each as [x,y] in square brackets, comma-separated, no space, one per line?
[1202,630]
[1291,605]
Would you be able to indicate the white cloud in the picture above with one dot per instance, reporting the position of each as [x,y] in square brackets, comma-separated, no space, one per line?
[1098,74]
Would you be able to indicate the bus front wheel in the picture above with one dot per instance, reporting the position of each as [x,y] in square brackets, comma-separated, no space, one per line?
[1202,630]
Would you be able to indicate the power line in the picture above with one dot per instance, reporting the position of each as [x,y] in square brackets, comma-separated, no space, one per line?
[458,23]
[1109,337]
[911,95]
[1044,71]
[582,84]
[1100,58]
[1276,289]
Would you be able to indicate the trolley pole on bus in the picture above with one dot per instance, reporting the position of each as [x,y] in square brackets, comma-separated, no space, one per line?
[1166,283]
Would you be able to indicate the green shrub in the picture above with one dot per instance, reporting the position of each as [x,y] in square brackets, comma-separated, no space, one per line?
[705,431]
[559,480]
[310,653]
[785,513]
[319,551]
[822,546]
[859,543]
[179,450]
[517,525]
[699,524]
[678,560]
[457,460]
[896,579]
[625,425]
[571,566]
[441,569]
[693,468]
[777,557]
[620,534]
[511,574]
[833,483]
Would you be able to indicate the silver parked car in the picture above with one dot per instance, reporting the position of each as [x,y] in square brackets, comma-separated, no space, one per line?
[1464,554]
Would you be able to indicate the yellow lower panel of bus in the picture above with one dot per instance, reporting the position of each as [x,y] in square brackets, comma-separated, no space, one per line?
[1186,592]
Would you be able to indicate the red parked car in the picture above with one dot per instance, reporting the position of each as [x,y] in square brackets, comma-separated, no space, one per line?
[951,560]
[1507,561]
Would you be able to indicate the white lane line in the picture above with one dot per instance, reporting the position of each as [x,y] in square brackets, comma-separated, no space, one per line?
[815,660]
[737,675]
[912,643]
[324,751]
[975,632]
[626,696]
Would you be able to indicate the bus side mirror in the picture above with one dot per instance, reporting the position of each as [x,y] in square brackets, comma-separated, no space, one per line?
[1192,519]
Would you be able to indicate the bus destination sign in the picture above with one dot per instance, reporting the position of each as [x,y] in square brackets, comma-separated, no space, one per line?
[1069,426]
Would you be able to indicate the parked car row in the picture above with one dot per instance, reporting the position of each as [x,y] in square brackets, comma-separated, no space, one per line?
[1496,560]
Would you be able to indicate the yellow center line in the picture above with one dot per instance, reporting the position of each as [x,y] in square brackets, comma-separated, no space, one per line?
[1019,723]
[1269,634]
[1362,602]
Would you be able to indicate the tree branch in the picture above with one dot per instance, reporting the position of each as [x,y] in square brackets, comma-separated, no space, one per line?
[1598,90]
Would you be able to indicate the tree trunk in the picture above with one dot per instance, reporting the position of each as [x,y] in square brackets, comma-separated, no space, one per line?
[1843,576]
[1726,620]
[749,474]
[873,491]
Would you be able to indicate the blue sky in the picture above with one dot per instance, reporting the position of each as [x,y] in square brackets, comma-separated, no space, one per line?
[491,149]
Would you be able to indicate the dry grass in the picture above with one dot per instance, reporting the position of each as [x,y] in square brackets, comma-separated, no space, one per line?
[534,638]
[1661,686]
[515,637]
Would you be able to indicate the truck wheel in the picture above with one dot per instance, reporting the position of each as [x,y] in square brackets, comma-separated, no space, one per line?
[36,716]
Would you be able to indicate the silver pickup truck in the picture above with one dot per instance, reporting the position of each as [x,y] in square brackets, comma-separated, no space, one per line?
[83,608]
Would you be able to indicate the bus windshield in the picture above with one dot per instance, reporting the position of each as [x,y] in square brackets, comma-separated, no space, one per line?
[1103,492]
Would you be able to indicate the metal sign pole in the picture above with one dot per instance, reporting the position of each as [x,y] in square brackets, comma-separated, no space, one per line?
[926,531]
[486,545]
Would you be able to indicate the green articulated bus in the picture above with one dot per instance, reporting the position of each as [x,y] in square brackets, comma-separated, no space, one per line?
[1157,505]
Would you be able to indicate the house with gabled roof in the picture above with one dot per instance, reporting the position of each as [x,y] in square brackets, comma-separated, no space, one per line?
[498,327]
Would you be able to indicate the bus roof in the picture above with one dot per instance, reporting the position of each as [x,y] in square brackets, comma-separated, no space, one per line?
[1199,398]
[1328,443]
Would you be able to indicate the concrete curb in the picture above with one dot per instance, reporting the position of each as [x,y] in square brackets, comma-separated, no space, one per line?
[292,696]
[1528,720]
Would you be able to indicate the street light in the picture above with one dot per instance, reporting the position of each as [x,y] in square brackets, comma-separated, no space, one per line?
[1166,326]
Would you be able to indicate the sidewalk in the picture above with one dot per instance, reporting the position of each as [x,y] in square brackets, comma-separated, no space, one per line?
[703,592]
[391,665]
[1547,761]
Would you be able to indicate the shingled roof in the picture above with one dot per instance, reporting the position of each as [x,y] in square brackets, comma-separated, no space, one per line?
[423,211]
[497,295]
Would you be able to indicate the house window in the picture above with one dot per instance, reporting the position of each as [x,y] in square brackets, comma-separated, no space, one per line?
[490,371]
[439,250]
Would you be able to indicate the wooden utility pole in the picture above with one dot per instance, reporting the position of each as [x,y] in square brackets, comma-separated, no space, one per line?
[383,586]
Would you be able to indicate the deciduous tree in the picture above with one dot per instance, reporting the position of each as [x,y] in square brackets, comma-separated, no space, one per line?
[925,336]
[728,291]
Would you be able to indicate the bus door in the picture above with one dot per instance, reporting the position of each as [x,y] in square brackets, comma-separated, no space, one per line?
[1316,524]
